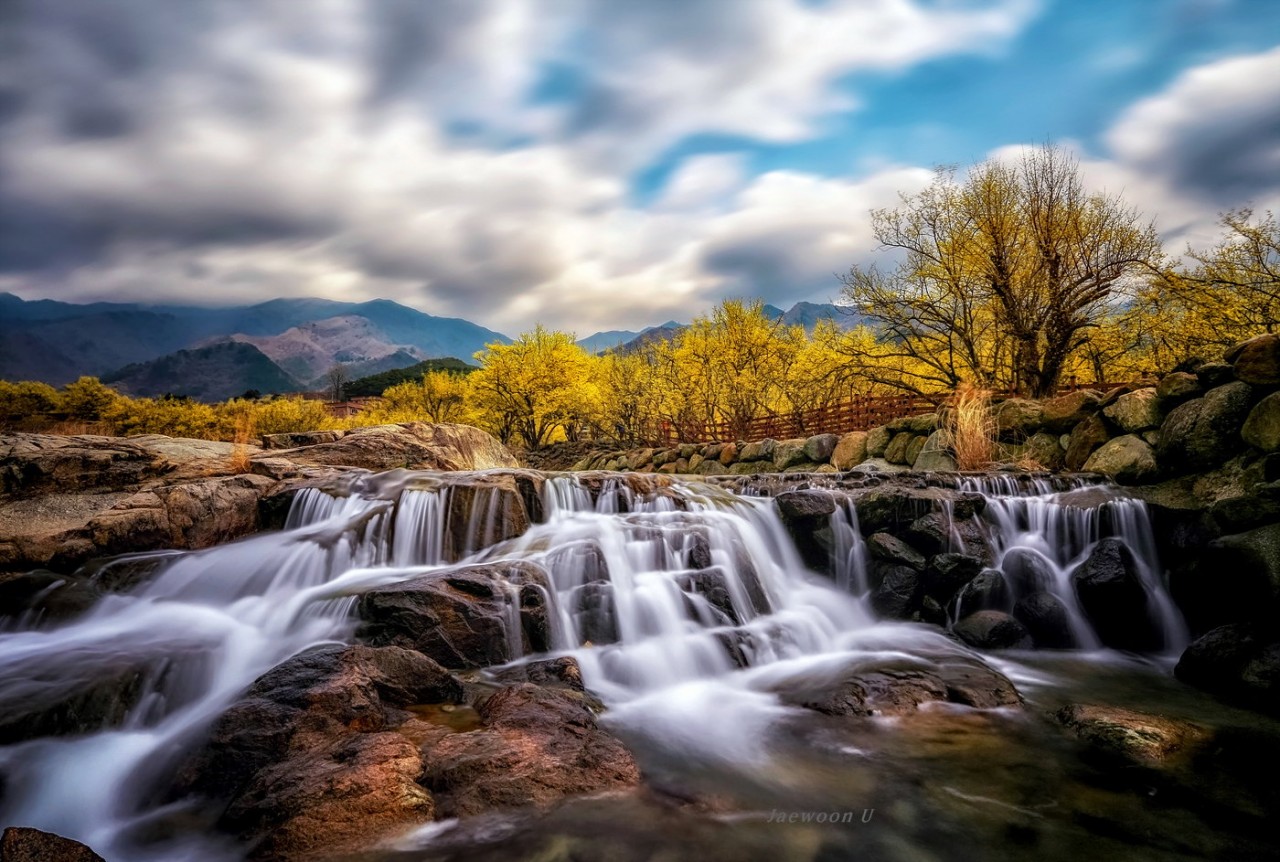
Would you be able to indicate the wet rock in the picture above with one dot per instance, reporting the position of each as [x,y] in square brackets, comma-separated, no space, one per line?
[1132,737]
[1239,662]
[1046,619]
[893,508]
[1129,460]
[497,499]
[298,439]
[1258,507]
[563,672]
[1205,432]
[1178,387]
[412,445]
[23,844]
[992,630]
[712,586]
[1253,559]
[851,450]
[1085,438]
[987,591]
[1113,597]
[1018,418]
[41,595]
[946,574]
[896,590]
[1136,411]
[459,617]
[894,688]
[890,549]
[595,613]
[538,746]
[309,762]
[1026,571]
[1257,361]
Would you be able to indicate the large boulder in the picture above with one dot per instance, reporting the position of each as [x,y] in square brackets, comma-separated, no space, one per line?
[23,844]
[789,453]
[850,450]
[1257,360]
[878,440]
[1047,620]
[309,762]
[1112,595]
[992,630]
[1136,411]
[1129,737]
[536,746]
[1178,387]
[807,517]
[1129,460]
[460,617]
[761,450]
[1061,414]
[412,445]
[1205,432]
[1019,418]
[935,455]
[1239,662]
[820,447]
[896,451]
[1085,438]
[948,573]
[1262,426]
[1045,450]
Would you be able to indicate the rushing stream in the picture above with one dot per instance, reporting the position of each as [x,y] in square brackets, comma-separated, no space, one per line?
[688,612]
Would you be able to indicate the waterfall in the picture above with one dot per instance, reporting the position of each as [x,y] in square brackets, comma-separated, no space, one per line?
[688,609]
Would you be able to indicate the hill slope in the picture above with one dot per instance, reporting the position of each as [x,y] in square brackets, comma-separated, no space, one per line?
[212,373]
[376,384]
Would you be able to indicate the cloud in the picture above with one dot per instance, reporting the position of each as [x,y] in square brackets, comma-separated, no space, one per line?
[1213,133]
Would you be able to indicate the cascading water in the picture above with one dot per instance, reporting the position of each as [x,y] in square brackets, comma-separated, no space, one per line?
[688,611]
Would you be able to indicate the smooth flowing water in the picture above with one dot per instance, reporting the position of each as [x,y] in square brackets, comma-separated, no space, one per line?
[688,610]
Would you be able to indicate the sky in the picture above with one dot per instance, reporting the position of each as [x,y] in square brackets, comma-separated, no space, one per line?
[585,164]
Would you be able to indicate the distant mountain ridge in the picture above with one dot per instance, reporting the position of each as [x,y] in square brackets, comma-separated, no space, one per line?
[212,373]
[56,342]
[806,314]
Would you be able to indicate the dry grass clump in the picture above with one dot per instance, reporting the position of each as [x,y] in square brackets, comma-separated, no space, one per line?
[241,433]
[971,425]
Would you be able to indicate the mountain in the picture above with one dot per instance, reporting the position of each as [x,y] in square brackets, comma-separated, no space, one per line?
[376,384]
[308,351]
[58,341]
[602,341]
[212,373]
[807,314]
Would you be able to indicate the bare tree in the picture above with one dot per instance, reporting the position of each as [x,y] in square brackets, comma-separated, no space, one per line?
[337,378]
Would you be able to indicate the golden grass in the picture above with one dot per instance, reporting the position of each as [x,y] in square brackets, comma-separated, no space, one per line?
[971,426]
[239,461]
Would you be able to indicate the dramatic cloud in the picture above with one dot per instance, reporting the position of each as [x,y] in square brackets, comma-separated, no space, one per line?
[495,159]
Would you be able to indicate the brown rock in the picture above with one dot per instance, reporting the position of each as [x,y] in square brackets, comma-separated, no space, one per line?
[413,445]
[1136,737]
[1087,436]
[850,451]
[537,746]
[1063,413]
[23,844]
[1257,361]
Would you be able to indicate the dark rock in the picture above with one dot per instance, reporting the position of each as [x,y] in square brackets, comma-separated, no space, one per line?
[1257,508]
[1214,374]
[537,746]
[985,592]
[1239,662]
[992,630]
[1087,436]
[947,573]
[594,613]
[1045,450]
[563,672]
[497,496]
[297,439]
[458,617]
[40,595]
[23,844]
[1047,619]
[1205,432]
[805,505]
[807,517]
[888,548]
[896,591]
[1177,387]
[896,452]
[1026,571]
[1113,597]
[711,585]
[1136,411]
[893,507]
[1257,361]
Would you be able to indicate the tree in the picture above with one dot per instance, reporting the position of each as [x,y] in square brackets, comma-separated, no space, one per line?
[1002,276]
[88,399]
[541,385]
[337,378]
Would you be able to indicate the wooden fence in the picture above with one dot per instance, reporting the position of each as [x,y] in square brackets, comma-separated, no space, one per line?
[859,413]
